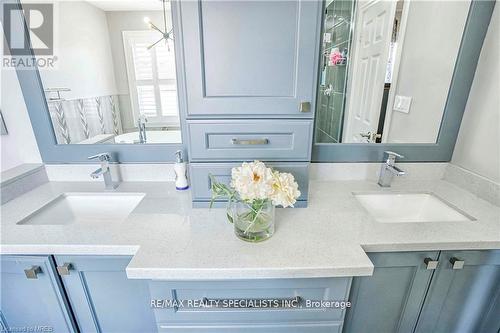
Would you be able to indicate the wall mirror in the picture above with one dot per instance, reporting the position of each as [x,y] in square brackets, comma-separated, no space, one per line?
[107,77]
[114,79]
[390,76]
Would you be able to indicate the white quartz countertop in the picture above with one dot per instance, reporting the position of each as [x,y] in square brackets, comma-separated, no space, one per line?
[170,240]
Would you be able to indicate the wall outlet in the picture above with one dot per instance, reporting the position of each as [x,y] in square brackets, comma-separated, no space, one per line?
[402,103]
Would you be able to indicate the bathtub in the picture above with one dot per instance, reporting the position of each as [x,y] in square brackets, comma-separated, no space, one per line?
[151,137]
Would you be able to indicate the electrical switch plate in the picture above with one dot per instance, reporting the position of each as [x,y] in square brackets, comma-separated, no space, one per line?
[402,103]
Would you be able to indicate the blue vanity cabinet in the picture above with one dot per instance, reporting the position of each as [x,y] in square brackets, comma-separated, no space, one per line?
[390,299]
[31,297]
[250,83]
[464,296]
[103,299]
[251,58]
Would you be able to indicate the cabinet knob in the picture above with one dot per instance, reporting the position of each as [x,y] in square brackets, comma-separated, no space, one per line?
[305,107]
[32,273]
[457,263]
[64,269]
[430,264]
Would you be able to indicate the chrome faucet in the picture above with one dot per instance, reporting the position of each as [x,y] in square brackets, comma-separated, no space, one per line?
[389,170]
[141,124]
[104,170]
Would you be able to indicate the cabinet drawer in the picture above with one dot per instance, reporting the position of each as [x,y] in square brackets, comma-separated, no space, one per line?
[233,302]
[335,327]
[201,183]
[235,140]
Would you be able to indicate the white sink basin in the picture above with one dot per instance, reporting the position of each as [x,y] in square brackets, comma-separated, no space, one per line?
[410,207]
[85,208]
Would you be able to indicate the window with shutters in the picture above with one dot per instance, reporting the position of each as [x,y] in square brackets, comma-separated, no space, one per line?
[152,78]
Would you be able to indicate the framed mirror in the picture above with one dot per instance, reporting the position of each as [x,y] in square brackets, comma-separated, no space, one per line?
[107,79]
[395,75]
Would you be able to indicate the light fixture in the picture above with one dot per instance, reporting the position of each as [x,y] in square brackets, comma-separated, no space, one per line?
[165,34]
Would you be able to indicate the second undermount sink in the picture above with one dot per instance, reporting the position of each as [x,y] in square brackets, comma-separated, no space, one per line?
[410,207]
[85,208]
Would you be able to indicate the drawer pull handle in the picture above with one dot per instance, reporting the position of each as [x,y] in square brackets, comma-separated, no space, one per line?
[260,303]
[430,264]
[457,263]
[64,269]
[305,107]
[248,142]
[32,273]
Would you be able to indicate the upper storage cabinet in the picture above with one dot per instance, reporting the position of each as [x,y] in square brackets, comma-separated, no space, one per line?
[247,58]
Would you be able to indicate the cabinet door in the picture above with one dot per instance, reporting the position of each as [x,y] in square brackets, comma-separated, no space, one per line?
[35,303]
[464,299]
[250,57]
[103,298]
[390,299]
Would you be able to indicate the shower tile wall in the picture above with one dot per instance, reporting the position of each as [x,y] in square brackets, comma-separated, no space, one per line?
[333,79]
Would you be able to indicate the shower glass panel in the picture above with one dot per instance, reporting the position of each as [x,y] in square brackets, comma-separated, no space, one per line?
[335,51]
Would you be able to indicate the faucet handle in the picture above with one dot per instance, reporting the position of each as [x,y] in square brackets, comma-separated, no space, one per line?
[142,119]
[393,155]
[101,157]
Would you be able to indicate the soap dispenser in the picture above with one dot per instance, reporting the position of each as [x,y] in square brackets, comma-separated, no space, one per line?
[180,168]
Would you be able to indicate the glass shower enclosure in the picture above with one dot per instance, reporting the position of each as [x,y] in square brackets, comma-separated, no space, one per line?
[335,53]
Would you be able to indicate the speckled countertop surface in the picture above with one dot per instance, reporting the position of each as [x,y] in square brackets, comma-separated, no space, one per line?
[170,240]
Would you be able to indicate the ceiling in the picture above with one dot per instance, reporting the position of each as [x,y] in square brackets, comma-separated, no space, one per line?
[128,5]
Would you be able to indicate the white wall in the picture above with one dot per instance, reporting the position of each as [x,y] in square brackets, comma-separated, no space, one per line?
[478,144]
[85,63]
[119,21]
[433,34]
[19,146]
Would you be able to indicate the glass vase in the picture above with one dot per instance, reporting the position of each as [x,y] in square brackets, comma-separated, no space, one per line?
[253,221]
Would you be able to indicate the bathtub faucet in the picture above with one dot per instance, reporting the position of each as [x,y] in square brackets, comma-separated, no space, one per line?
[141,124]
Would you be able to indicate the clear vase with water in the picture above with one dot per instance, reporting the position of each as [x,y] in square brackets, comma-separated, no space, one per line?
[253,221]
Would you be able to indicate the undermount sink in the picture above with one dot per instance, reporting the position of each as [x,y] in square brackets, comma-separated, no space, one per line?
[410,207]
[85,208]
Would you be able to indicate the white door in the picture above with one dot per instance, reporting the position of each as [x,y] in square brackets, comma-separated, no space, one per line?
[373,36]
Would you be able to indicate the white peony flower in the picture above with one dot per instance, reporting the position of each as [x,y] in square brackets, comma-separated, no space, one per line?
[285,190]
[252,181]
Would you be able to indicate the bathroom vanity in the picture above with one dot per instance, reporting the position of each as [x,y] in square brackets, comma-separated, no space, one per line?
[285,82]
[412,276]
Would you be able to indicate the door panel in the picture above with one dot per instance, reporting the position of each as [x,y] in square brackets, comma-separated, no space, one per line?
[103,298]
[250,57]
[35,302]
[390,299]
[371,55]
[463,300]
[254,47]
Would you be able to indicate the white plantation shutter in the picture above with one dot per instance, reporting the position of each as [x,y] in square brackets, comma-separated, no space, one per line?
[147,100]
[142,61]
[165,61]
[152,78]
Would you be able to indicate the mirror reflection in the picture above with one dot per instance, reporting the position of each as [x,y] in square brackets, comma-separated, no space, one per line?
[115,77]
[385,69]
